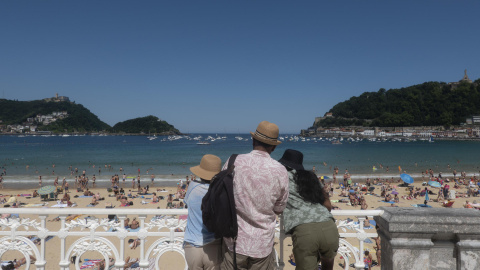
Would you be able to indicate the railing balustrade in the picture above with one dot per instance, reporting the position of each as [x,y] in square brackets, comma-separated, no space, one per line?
[164,230]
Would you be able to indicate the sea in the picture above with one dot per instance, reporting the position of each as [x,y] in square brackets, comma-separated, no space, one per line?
[24,158]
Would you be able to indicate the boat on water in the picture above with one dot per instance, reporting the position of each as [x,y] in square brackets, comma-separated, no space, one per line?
[203,143]
[336,142]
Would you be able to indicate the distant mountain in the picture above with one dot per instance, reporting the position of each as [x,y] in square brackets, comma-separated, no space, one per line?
[58,116]
[149,124]
[427,104]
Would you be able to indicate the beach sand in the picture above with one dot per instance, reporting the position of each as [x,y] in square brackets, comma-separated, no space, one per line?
[172,260]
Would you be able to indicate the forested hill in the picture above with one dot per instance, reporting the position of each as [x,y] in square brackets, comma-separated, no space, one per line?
[149,124]
[427,104]
[78,118]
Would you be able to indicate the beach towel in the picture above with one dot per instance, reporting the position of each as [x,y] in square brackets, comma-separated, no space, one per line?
[151,265]
[60,205]
[83,196]
[391,202]
[421,205]
[88,264]
[368,241]
[34,205]
[357,225]
[448,204]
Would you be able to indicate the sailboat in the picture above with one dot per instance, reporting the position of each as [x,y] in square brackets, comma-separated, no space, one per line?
[151,138]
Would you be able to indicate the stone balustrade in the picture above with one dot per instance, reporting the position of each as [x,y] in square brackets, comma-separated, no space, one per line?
[429,238]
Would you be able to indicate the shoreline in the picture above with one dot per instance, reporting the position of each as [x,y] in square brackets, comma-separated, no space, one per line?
[96,134]
[104,181]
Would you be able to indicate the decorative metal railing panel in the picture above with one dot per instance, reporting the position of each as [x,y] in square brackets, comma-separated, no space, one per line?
[107,236]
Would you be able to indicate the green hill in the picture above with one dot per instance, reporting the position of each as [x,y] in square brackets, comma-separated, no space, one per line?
[79,118]
[427,104]
[148,124]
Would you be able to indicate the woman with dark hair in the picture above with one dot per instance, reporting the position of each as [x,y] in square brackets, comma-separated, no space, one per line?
[307,216]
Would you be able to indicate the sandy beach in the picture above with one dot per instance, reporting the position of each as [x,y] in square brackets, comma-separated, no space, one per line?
[172,261]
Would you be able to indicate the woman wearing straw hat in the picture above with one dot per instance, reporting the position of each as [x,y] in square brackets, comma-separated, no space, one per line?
[307,216]
[202,250]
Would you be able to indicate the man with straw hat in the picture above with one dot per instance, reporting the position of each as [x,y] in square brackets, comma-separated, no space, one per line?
[202,250]
[260,187]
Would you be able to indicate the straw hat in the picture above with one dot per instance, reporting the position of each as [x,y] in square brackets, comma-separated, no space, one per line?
[267,133]
[293,159]
[209,166]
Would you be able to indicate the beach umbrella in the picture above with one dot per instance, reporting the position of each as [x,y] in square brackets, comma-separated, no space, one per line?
[46,190]
[434,184]
[394,192]
[406,178]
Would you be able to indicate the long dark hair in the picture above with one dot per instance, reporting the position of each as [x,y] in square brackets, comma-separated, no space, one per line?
[309,188]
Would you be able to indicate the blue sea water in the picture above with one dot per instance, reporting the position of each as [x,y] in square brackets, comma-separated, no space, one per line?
[25,158]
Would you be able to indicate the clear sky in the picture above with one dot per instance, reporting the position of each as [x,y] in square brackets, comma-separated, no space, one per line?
[224,66]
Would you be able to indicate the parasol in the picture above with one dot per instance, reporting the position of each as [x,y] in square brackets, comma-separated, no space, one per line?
[394,192]
[434,184]
[406,178]
[46,190]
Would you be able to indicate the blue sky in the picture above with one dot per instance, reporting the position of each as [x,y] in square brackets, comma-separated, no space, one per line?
[224,66]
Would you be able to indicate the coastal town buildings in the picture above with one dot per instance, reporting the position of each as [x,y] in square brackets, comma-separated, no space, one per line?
[30,126]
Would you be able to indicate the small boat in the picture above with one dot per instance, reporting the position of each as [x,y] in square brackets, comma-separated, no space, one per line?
[203,143]
[336,142]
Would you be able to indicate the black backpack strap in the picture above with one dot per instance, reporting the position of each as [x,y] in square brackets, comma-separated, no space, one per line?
[231,162]
[230,168]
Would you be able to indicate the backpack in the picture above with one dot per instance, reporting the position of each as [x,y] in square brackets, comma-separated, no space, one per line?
[218,205]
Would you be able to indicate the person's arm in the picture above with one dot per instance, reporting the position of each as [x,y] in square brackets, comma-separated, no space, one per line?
[281,203]
[327,203]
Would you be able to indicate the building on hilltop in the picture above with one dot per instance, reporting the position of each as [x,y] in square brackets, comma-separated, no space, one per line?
[57,99]
[465,78]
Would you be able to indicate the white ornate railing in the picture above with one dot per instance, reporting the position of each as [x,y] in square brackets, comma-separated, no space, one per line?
[99,234]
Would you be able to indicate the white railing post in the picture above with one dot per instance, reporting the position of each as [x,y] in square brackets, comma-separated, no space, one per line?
[42,262]
[64,262]
[142,235]
[360,264]
[281,262]
[120,262]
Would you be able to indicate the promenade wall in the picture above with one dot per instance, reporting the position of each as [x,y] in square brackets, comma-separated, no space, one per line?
[429,238]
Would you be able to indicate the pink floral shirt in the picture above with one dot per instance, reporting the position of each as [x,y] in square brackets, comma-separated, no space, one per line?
[260,185]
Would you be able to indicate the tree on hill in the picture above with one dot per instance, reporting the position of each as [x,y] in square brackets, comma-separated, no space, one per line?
[148,124]
[79,118]
[427,104]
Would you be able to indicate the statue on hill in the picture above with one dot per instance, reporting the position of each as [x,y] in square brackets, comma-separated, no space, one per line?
[465,77]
